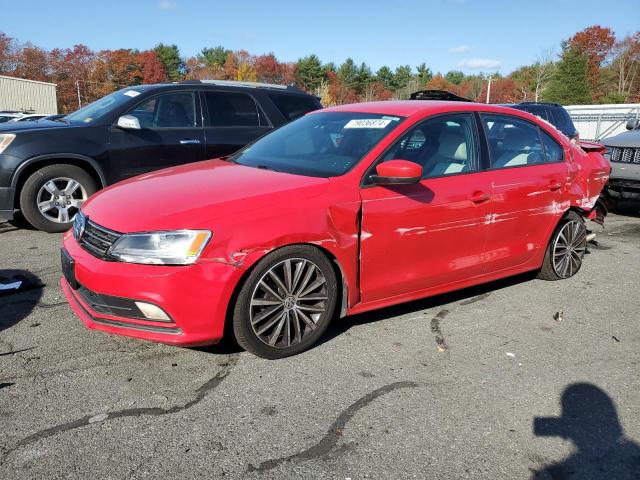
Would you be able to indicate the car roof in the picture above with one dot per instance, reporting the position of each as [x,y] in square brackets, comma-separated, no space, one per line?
[406,108]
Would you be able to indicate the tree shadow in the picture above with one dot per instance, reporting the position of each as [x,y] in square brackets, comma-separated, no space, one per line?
[342,325]
[589,419]
[17,303]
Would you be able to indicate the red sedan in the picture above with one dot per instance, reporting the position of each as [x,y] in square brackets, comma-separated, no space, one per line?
[345,210]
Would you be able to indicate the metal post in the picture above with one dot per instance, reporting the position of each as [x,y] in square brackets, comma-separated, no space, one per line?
[598,127]
[78,90]
[489,88]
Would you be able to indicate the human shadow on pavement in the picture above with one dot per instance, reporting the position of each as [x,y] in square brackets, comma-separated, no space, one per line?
[20,292]
[589,419]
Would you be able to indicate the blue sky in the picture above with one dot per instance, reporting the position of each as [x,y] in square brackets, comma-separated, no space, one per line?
[468,35]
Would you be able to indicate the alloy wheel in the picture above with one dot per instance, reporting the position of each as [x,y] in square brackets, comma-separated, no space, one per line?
[59,199]
[288,302]
[569,248]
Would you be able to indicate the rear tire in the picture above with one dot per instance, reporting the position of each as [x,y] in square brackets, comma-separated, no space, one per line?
[286,303]
[566,249]
[51,196]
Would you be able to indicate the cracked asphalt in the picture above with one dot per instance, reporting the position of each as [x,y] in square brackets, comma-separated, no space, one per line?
[482,383]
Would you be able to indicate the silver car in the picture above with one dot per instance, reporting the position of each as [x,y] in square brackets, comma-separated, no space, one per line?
[623,151]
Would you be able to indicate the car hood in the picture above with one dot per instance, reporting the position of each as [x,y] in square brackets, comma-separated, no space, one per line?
[193,196]
[626,139]
[10,127]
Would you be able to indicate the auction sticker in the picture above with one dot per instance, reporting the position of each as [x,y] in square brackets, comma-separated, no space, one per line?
[131,93]
[368,123]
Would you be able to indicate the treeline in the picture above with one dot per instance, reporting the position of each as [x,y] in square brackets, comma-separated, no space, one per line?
[593,66]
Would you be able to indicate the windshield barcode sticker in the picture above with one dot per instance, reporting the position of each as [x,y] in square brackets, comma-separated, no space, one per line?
[368,123]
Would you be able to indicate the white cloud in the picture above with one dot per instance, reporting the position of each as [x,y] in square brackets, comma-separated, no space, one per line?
[460,49]
[480,63]
[167,4]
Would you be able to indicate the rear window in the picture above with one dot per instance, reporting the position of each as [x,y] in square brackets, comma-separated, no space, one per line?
[294,106]
[228,109]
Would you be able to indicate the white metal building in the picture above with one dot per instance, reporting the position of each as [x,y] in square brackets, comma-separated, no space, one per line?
[27,95]
[595,122]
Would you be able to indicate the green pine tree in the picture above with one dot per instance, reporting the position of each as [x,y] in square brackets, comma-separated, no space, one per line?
[569,85]
[169,56]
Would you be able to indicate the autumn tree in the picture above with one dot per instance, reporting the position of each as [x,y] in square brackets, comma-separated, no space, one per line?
[595,43]
[151,67]
[624,72]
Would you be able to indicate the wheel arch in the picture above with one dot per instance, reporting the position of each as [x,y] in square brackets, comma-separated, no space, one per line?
[33,164]
[337,268]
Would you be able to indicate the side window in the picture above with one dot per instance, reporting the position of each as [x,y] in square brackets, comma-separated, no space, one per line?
[294,106]
[170,110]
[444,145]
[228,109]
[512,142]
[552,151]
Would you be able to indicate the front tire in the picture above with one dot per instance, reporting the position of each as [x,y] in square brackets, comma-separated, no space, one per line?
[51,196]
[286,303]
[566,249]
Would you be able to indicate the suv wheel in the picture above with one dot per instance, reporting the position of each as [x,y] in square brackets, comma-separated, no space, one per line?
[566,249]
[51,196]
[286,303]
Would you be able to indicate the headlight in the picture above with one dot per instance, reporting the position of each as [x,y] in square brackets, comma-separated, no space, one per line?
[181,247]
[5,140]
[607,153]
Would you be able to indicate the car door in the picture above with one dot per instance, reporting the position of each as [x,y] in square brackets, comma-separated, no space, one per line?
[170,134]
[231,120]
[528,176]
[420,236]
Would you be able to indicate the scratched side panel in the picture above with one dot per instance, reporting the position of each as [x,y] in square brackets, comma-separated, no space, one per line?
[329,220]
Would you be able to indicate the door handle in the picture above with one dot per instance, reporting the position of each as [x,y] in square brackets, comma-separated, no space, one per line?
[189,141]
[479,197]
[553,186]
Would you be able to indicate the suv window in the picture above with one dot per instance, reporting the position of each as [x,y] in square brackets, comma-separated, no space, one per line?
[230,109]
[293,106]
[512,142]
[169,110]
[553,151]
[444,145]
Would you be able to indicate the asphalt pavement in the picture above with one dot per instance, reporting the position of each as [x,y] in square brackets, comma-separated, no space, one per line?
[520,378]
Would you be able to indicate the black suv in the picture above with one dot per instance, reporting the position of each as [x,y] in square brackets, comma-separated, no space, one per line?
[554,113]
[48,168]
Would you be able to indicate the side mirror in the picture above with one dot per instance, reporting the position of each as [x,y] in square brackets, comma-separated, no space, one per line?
[128,122]
[633,123]
[397,172]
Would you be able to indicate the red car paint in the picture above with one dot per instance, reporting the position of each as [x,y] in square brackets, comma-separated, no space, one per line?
[392,244]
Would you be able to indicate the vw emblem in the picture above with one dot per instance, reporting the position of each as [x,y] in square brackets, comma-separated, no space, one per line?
[79,224]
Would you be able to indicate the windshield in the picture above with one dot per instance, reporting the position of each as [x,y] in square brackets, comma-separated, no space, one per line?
[101,107]
[324,144]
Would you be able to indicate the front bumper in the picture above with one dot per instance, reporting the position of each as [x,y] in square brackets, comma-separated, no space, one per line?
[7,199]
[195,297]
[624,182]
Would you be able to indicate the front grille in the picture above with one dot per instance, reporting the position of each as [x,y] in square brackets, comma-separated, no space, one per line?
[625,155]
[97,240]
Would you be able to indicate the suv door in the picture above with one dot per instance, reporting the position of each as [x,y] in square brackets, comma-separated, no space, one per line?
[416,237]
[528,174]
[170,134]
[231,120]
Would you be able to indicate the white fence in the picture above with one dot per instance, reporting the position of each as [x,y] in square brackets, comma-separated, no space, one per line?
[595,122]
